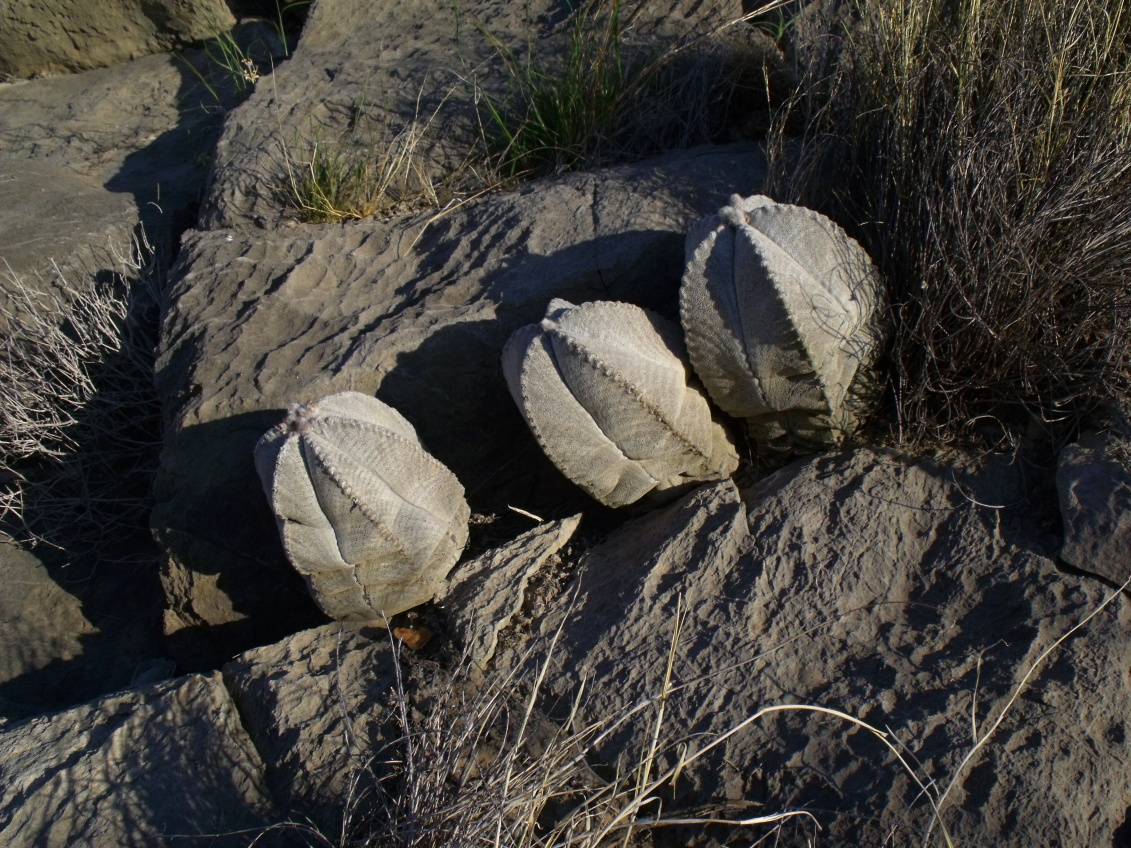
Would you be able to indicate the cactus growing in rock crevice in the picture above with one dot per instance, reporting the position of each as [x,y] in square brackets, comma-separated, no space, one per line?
[605,389]
[371,520]
[784,321]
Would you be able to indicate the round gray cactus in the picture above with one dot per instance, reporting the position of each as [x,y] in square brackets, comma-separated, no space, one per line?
[784,321]
[608,393]
[369,518]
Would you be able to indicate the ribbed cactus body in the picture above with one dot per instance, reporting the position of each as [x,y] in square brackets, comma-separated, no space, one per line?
[605,389]
[783,315]
[369,518]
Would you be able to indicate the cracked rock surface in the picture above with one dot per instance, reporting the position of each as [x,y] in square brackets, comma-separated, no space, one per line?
[883,587]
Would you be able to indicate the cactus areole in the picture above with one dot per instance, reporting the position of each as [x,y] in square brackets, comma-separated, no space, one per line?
[784,321]
[370,519]
[605,389]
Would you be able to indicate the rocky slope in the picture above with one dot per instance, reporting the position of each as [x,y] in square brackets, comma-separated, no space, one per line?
[195,695]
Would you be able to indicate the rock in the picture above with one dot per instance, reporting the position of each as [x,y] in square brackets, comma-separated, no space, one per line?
[316,706]
[875,585]
[140,131]
[43,624]
[607,391]
[415,315]
[1095,504]
[150,767]
[58,231]
[484,595]
[348,70]
[63,636]
[42,37]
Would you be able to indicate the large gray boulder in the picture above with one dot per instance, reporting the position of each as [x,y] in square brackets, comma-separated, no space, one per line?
[42,624]
[492,594]
[63,636]
[373,65]
[58,230]
[413,312]
[1093,478]
[43,37]
[141,132]
[879,586]
[317,705]
[167,765]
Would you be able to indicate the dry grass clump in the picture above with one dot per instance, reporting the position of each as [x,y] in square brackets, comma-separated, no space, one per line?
[610,89]
[484,768]
[362,172]
[981,151]
[79,418]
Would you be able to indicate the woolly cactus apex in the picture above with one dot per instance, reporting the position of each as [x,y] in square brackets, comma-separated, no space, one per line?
[367,516]
[604,387]
[783,315]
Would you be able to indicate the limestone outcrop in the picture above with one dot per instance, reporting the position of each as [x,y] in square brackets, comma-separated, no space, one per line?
[876,585]
[928,598]
[44,37]
[411,311]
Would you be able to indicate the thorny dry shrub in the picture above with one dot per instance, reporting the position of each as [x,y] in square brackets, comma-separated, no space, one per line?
[981,151]
[79,417]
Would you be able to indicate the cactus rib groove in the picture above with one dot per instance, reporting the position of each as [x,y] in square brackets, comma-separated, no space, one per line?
[605,390]
[784,322]
[369,518]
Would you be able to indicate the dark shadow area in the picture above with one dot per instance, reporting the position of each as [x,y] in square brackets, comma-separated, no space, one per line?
[1122,836]
[85,510]
[122,602]
[225,557]
[167,177]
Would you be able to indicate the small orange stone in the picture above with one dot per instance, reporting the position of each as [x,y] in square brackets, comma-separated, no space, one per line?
[414,637]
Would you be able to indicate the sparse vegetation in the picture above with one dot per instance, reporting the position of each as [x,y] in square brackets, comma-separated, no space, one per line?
[981,151]
[233,64]
[483,767]
[606,88]
[614,94]
[477,764]
[361,173]
[79,417]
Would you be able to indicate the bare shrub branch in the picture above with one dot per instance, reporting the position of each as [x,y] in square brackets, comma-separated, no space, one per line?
[79,420]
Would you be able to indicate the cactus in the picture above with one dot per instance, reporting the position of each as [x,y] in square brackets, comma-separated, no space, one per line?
[369,518]
[605,389]
[784,322]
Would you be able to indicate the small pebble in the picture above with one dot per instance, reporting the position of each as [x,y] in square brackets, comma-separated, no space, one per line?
[414,637]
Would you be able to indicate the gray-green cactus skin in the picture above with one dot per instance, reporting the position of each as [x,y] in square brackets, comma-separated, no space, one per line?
[608,392]
[784,321]
[371,520]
